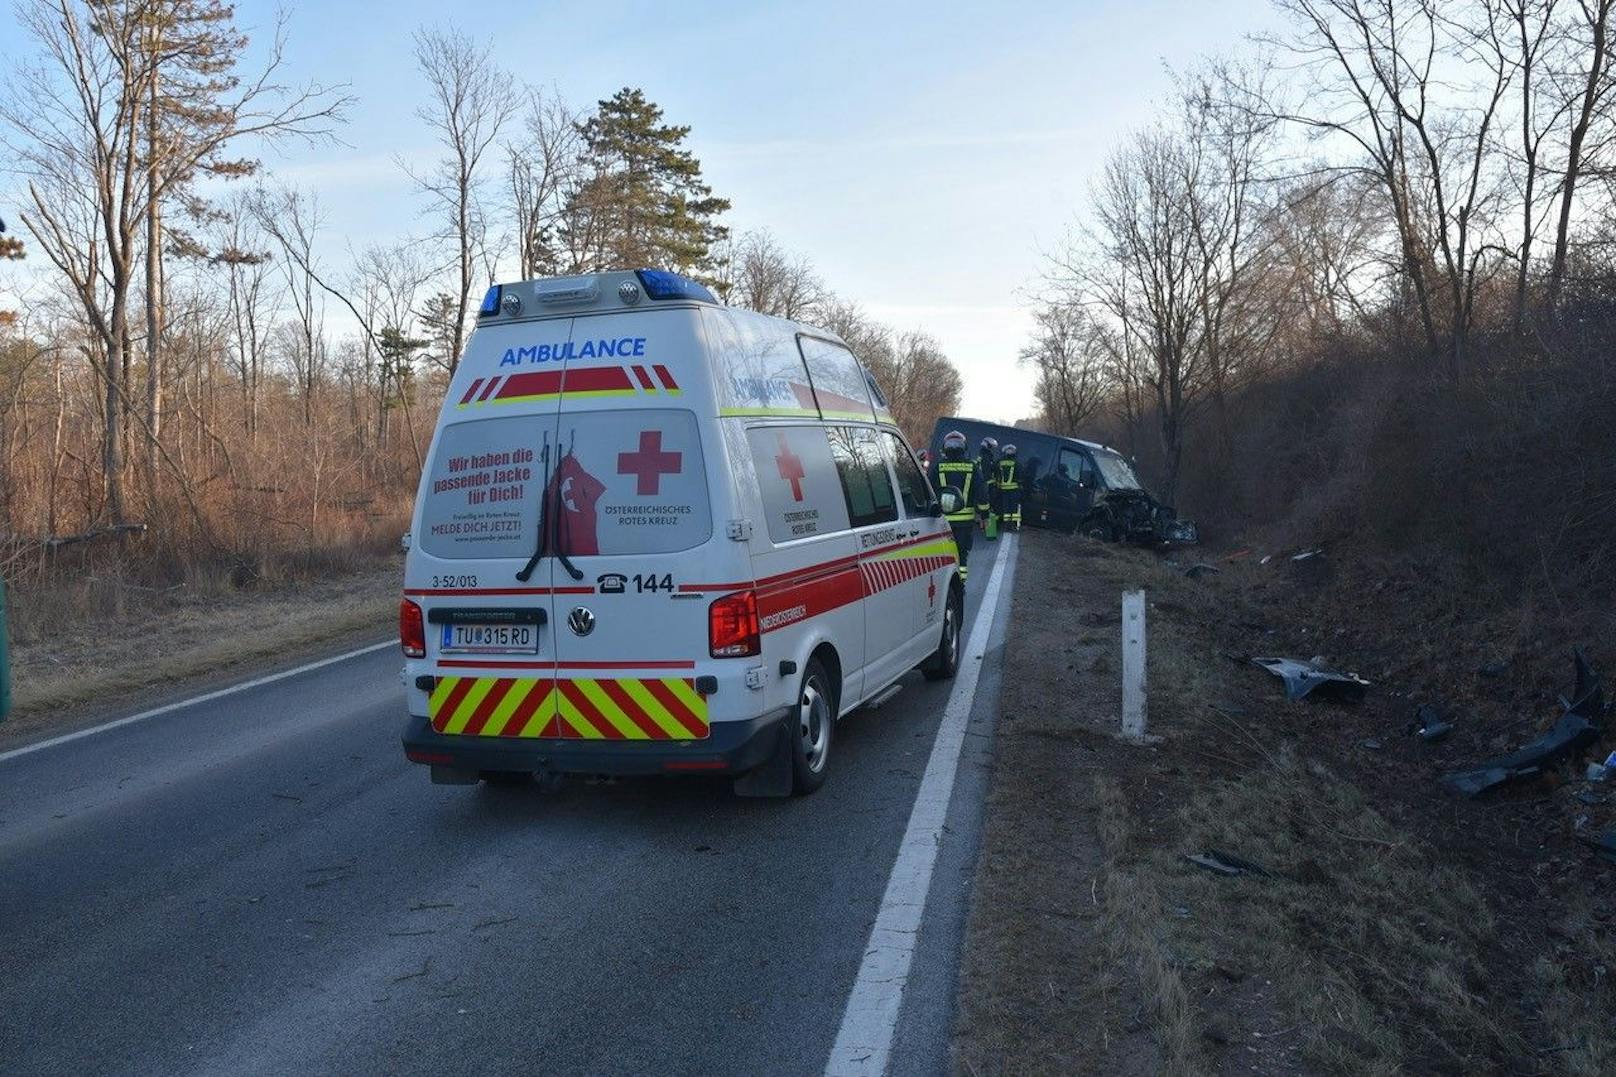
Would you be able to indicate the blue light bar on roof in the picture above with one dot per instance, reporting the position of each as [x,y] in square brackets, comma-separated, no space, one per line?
[490,302]
[661,284]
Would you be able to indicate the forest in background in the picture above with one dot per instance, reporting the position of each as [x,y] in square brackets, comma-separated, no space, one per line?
[202,384]
[1360,283]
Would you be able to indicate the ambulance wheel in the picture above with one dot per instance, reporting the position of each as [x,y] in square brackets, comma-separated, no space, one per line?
[813,729]
[942,665]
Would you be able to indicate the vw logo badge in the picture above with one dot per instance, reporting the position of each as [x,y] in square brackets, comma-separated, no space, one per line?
[581,621]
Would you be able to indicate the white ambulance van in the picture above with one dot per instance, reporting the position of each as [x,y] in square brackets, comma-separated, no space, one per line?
[656,534]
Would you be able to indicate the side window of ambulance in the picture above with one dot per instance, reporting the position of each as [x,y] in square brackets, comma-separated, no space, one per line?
[801,495]
[862,467]
[912,485]
[840,385]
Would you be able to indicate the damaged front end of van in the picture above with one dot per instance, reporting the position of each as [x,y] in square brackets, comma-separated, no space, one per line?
[1133,515]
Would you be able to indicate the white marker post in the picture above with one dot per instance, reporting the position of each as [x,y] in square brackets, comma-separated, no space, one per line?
[1133,665]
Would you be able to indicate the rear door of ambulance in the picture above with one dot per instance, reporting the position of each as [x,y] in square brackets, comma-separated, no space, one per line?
[491,638]
[635,495]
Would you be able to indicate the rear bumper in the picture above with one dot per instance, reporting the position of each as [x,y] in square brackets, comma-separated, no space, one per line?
[730,748]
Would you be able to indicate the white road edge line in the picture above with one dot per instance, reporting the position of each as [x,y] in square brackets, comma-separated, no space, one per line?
[209,697]
[864,1042]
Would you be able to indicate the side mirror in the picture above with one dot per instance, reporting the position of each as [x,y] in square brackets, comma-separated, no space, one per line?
[948,502]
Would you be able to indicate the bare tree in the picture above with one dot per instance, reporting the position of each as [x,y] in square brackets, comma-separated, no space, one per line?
[542,169]
[253,302]
[920,382]
[387,284]
[76,128]
[769,279]
[1532,36]
[1595,85]
[470,99]
[1069,358]
[1324,235]
[1383,77]
[292,220]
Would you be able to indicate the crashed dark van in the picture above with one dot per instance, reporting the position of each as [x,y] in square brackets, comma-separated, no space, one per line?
[1074,485]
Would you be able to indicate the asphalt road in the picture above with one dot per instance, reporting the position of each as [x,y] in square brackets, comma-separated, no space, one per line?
[262,884]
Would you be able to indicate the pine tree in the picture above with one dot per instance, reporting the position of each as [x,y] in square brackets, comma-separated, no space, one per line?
[642,202]
[189,50]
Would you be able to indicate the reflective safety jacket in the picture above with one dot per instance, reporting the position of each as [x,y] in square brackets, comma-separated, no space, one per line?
[966,478]
[1008,475]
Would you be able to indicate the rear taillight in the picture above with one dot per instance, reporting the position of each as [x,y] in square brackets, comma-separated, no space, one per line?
[732,626]
[411,630]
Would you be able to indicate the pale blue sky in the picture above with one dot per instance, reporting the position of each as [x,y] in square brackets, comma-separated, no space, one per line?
[922,155]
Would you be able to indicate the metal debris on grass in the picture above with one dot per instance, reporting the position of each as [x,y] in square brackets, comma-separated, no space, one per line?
[1312,679]
[1567,735]
[1222,863]
[1429,725]
[1588,694]
[1604,845]
[1571,732]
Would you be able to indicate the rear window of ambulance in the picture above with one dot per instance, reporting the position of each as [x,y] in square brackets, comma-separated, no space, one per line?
[620,483]
[480,497]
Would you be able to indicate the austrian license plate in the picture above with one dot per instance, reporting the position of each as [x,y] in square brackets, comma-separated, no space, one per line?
[490,639]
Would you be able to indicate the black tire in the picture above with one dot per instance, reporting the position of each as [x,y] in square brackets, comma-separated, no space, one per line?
[1100,528]
[812,729]
[945,661]
[506,779]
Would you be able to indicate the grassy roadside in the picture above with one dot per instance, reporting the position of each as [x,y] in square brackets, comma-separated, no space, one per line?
[111,648]
[1379,940]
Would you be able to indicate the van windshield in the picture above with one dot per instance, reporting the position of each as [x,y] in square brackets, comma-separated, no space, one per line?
[1116,472]
[615,483]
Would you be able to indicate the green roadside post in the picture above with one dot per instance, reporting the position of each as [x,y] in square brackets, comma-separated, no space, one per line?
[5,657]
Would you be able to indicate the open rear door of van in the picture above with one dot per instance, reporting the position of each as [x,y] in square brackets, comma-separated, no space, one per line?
[480,571]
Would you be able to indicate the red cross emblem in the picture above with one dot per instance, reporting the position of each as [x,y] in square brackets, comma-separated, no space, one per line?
[790,465]
[649,464]
[931,590]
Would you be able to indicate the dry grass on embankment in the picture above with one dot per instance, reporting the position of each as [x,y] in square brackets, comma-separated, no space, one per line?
[81,646]
[1380,940]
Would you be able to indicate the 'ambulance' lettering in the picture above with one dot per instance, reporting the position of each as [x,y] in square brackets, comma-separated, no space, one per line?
[561,351]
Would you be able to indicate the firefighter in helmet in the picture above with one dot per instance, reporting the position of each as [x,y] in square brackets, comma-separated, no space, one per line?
[987,461]
[1009,489]
[957,470]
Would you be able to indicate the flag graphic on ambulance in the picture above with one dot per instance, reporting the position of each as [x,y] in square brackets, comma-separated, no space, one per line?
[571,498]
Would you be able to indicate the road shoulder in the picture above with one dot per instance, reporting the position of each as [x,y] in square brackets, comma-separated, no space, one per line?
[1094,946]
[162,651]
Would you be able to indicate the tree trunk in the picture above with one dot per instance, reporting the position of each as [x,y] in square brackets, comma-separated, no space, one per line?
[112,431]
[154,291]
[1573,168]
